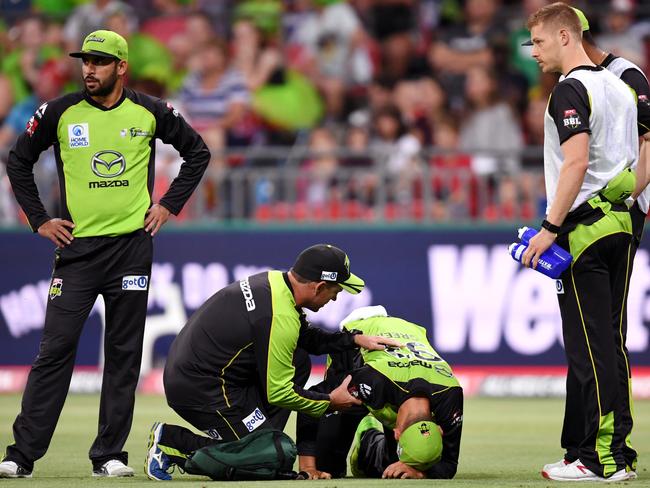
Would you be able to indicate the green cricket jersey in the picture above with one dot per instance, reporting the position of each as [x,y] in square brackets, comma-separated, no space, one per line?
[384,380]
[106,160]
[415,369]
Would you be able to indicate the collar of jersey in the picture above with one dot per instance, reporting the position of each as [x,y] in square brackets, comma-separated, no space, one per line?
[608,59]
[586,67]
[100,106]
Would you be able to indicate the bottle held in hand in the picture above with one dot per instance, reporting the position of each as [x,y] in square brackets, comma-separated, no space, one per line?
[552,263]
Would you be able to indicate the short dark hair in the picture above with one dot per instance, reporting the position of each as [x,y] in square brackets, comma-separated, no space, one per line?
[588,38]
[299,278]
[304,281]
[558,14]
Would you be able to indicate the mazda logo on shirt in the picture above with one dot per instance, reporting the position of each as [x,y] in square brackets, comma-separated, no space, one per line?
[108,164]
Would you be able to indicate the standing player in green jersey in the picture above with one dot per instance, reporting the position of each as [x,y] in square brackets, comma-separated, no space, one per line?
[415,402]
[104,139]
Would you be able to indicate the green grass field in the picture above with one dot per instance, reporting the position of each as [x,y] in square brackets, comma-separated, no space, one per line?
[505,443]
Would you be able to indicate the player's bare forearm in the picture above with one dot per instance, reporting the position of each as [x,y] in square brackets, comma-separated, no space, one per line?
[642,168]
[576,161]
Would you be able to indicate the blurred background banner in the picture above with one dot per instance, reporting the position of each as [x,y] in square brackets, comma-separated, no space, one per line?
[480,307]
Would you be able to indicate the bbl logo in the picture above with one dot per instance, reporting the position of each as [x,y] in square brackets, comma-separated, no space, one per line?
[56,288]
[572,119]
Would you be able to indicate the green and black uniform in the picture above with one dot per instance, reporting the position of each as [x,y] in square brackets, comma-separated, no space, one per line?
[240,362]
[105,159]
[573,431]
[598,234]
[383,380]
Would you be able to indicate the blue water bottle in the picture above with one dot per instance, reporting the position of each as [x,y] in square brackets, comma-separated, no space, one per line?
[552,263]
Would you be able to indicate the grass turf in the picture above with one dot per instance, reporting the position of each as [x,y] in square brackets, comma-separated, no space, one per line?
[505,443]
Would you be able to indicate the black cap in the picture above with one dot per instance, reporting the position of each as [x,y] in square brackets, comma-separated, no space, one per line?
[324,262]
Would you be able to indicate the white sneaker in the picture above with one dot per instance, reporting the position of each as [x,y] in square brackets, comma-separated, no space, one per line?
[113,469]
[9,469]
[557,464]
[576,471]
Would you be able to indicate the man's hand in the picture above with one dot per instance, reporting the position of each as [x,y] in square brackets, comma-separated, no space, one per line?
[375,343]
[307,464]
[57,231]
[402,471]
[157,215]
[340,398]
[537,245]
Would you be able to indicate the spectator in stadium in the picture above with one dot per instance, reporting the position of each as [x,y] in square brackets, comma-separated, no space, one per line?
[88,17]
[180,47]
[30,51]
[467,45]
[454,185]
[421,102]
[243,356]
[105,133]
[508,203]
[520,58]
[583,154]
[52,76]
[392,25]
[150,59]
[214,95]
[165,19]
[335,46]
[200,28]
[396,151]
[489,132]
[317,179]
[416,411]
[258,60]
[619,38]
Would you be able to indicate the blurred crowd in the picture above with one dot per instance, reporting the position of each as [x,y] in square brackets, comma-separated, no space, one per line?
[430,102]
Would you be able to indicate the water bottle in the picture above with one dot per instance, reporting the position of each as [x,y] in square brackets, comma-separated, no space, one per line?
[552,263]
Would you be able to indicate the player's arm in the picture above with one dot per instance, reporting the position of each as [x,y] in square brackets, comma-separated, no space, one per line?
[171,128]
[39,135]
[638,82]
[317,341]
[569,107]
[274,348]
[448,411]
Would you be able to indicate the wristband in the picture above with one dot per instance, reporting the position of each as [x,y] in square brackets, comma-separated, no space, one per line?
[555,229]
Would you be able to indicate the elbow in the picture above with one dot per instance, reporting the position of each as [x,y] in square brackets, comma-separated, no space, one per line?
[578,164]
[278,398]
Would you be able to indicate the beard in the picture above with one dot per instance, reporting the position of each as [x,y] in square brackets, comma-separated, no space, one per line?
[103,88]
